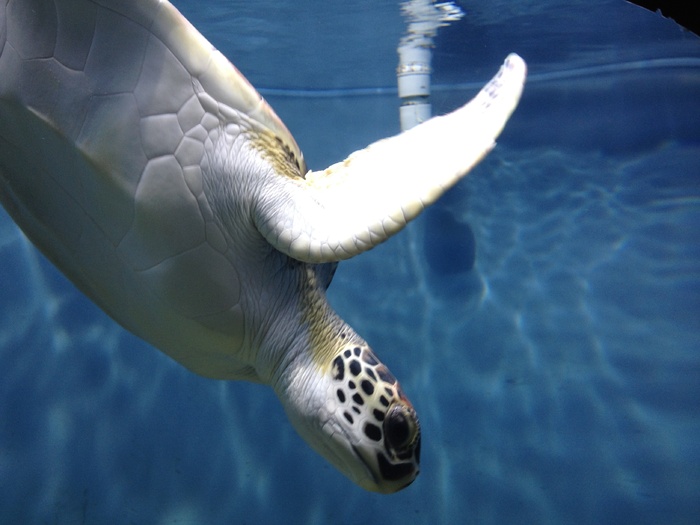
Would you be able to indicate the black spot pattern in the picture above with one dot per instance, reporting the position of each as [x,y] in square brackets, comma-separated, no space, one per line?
[355,367]
[385,375]
[373,432]
[338,369]
[372,403]
[361,376]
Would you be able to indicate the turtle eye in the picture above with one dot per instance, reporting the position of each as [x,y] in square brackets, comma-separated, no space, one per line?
[400,428]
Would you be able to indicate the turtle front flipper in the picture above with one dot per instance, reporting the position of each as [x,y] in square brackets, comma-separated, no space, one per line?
[358,203]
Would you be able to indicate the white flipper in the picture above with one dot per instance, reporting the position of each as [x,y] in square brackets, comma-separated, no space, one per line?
[356,204]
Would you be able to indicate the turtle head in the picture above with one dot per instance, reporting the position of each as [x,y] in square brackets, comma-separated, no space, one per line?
[358,418]
[377,418]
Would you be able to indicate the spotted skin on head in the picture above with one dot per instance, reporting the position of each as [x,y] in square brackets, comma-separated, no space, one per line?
[370,401]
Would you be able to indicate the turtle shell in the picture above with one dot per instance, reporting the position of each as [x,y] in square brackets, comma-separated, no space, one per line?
[110,115]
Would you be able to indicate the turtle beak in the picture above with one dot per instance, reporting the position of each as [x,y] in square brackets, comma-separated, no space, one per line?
[373,468]
[346,457]
[387,474]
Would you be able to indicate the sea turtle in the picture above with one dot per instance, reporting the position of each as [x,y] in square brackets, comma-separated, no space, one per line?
[146,167]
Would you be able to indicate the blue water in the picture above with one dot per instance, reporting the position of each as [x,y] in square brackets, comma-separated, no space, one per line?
[556,368]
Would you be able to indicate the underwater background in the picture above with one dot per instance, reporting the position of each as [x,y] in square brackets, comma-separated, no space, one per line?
[543,316]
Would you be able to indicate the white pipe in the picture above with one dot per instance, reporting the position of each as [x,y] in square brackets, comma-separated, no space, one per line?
[423,18]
